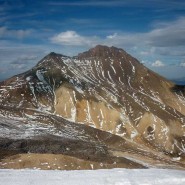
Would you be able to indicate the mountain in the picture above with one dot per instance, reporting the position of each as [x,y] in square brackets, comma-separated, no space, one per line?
[99,109]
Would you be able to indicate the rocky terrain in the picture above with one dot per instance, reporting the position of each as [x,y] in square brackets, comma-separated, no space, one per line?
[100,109]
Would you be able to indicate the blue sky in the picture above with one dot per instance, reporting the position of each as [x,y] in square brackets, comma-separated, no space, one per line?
[151,30]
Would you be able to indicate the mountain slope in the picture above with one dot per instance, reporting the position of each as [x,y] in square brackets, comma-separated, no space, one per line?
[109,90]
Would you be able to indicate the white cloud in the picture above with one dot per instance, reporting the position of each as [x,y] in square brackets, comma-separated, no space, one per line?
[112,36]
[5,32]
[182,64]
[158,63]
[148,51]
[146,62]
[144,53]
[24,59]
[168,34]
[72,38]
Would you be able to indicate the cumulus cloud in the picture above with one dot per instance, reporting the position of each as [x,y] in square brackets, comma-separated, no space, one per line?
[158,63]
[5,32]
[74,39]
[112,36]
[182,64]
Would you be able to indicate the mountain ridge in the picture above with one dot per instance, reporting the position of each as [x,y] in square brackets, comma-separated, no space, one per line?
[106,89]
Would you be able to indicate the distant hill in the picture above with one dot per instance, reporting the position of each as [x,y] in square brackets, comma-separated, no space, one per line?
[179,81]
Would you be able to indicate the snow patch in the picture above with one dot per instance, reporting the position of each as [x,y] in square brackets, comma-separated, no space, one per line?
[93,177]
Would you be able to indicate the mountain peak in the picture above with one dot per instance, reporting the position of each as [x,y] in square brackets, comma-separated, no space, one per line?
[51,58]
[103,51]
[53,54]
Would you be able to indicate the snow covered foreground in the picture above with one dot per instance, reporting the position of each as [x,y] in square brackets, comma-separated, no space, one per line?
[93,177]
